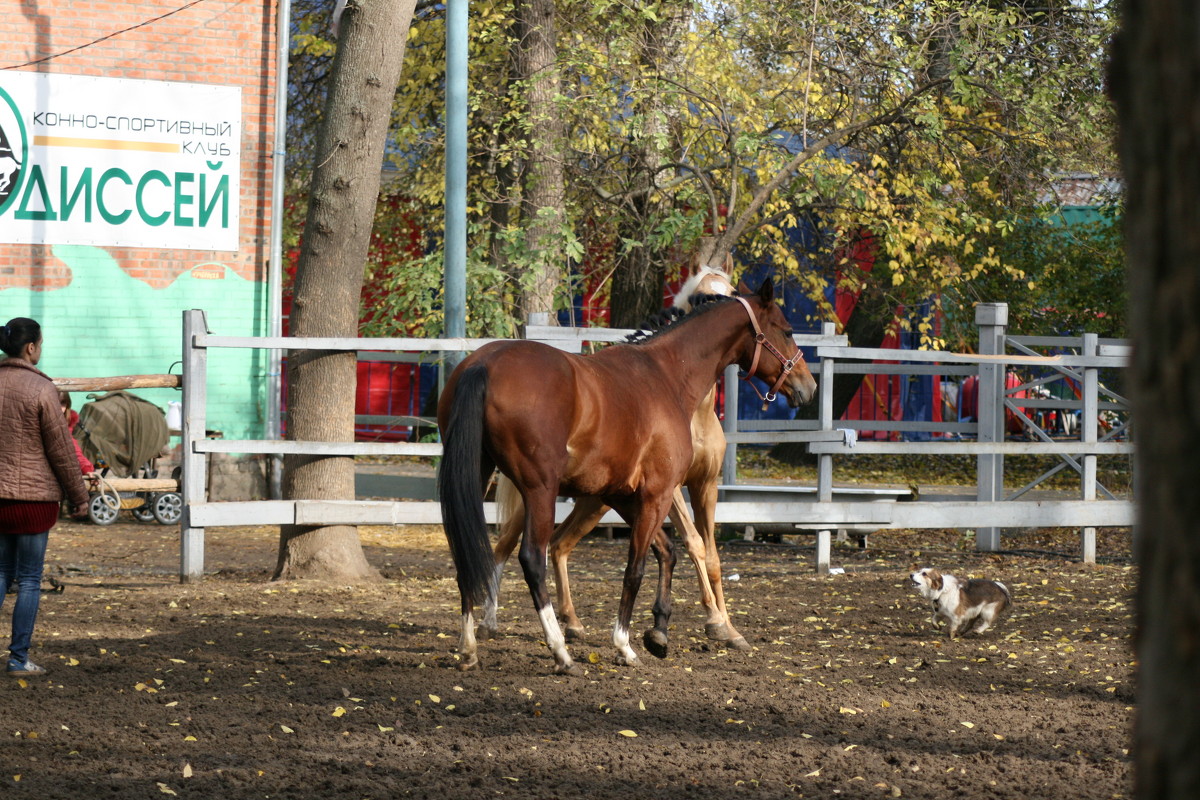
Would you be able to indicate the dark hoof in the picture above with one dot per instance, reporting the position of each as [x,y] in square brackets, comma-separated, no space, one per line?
[655,642]
[469,664]
[572,669]
[739,643]
[573,634]
[485,634]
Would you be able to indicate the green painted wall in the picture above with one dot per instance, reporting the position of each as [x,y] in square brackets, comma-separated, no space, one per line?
[105,323]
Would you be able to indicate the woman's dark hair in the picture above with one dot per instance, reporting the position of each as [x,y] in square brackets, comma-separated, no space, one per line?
[19,332]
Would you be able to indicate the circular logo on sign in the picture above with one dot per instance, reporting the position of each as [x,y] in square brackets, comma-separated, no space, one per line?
[14,149]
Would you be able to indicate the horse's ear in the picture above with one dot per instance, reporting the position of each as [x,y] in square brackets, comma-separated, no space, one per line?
[766,292]
[742,288]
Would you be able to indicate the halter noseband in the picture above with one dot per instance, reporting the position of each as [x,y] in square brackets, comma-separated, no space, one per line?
[760,344]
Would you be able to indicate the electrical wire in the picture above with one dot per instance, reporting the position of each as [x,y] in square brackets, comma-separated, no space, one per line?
[86,45]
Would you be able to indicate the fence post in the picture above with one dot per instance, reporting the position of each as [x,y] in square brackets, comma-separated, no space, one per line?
[195,478]
[992,319]
[825,460]
[730,424]
[1088,434]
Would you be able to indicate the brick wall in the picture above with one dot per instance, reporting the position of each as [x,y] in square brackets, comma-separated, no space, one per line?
[225,42]
[117,310]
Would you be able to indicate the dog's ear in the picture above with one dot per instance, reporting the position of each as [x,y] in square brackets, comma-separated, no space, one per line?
[935,578]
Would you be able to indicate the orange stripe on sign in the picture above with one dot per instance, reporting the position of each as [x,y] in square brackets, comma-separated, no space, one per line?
[105,144]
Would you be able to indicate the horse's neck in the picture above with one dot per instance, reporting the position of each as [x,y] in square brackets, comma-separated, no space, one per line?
[705,346]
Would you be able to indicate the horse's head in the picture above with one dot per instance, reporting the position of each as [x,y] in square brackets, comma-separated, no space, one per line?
[705,280]
[784,368]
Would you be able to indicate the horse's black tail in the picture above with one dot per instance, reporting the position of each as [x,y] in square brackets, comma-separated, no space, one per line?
[460,488]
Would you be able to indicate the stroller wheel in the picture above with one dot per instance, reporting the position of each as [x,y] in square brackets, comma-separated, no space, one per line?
[167,507]
[103,509]
[145,512]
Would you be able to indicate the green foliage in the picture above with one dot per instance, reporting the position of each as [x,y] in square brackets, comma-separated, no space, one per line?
[1066,276]
[932,124]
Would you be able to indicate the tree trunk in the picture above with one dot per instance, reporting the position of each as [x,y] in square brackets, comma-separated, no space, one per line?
[329,276]
[637,282]
[640,271]
[542,207]
[1156,84]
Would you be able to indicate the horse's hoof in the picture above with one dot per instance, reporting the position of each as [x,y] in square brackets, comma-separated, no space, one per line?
[468,664]
[573,670]
[739,643]
[655,642]
[484,634]
[627,661]
[573,634]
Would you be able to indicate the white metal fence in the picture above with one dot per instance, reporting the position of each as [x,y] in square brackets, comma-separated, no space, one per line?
[824,436]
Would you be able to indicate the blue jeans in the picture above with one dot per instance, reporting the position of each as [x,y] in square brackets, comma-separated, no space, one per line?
[22,556]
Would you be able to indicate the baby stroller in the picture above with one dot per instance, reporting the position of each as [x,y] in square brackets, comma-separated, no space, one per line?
[124,435]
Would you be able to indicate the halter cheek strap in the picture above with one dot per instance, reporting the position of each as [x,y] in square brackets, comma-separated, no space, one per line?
[761,343]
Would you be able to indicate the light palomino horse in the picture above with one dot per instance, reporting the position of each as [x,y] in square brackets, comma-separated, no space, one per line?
[701,480]
[559,424]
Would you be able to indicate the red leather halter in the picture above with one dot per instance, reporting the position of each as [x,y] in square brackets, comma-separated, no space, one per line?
[760,344]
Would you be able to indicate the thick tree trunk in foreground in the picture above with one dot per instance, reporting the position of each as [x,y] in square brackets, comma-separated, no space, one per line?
[337,233]
[1156,83]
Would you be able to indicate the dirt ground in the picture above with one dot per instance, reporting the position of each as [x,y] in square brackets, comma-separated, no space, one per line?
[235,687]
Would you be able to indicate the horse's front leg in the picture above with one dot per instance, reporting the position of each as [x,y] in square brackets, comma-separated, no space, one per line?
[579,523]
[644,518]
[539,527]
[655,639]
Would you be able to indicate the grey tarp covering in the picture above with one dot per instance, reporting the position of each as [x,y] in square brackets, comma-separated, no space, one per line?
[124,430]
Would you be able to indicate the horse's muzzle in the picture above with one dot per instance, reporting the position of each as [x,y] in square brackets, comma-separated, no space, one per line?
[800,389]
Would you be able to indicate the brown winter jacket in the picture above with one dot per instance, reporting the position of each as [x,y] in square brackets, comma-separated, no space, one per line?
[37,458]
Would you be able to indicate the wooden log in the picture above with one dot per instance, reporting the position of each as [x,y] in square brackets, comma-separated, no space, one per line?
[119,382]
[141,484]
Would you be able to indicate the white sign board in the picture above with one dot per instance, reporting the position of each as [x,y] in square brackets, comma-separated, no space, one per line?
[118,162]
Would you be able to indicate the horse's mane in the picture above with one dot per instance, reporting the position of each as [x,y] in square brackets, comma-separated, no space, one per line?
[670,318]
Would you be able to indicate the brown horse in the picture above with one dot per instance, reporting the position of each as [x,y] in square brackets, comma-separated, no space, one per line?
[701,480]
[614,425]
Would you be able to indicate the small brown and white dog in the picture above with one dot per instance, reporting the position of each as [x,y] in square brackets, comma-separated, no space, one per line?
[967,606]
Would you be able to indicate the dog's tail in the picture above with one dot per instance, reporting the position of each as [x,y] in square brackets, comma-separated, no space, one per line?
[1007,594]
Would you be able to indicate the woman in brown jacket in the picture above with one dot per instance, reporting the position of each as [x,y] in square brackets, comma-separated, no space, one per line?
[37,467]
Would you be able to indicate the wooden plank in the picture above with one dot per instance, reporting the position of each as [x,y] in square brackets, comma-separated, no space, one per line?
[341,343]
[141,484]
[802,515]
[946,357]
[1073,448]
[774,437]
[117,383]
[288,447]
[1015,514]
[342,512]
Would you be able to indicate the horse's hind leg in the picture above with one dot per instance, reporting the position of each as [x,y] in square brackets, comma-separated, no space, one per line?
[512,522]
[579,523]
[704,503]
[655,639]
[697,552]
[539,527]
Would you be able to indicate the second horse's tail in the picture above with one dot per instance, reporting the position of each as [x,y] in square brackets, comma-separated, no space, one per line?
[460,488]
